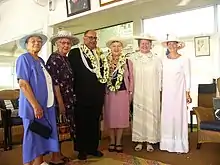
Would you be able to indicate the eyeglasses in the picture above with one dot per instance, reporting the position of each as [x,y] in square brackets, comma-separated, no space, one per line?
[65,43]
[35,41]
[92,38]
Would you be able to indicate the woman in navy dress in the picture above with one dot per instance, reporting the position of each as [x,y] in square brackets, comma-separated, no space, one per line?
[63,79]
[36,100]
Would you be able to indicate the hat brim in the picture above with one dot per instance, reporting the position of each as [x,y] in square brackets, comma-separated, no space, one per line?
[123,42]
[181,44]
[23,41]
[74,40]
[144,38]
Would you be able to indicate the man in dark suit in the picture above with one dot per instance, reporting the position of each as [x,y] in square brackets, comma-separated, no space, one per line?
[89,92]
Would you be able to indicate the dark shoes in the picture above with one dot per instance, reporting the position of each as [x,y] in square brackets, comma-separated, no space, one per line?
[111,148]
[115,148]
[83,155]
[97,153]
[119,148]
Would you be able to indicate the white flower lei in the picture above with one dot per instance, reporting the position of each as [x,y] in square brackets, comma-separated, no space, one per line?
[95,61]
[120,74]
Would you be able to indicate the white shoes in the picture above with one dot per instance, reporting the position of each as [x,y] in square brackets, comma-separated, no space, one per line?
[139,147]
[44,163]
[150,148]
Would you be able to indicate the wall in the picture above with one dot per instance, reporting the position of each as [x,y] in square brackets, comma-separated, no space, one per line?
[23,17]
[60,14]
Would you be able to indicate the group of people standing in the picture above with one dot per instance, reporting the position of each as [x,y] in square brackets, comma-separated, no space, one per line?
[77,83]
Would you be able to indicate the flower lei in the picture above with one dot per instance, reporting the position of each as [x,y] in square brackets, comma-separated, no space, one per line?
[120,74]
[95,61]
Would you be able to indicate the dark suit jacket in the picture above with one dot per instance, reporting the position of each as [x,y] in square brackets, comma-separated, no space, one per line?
[89,91]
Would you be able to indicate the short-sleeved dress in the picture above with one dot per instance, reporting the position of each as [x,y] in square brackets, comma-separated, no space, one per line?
[117,104]
[59,68]
[34,72]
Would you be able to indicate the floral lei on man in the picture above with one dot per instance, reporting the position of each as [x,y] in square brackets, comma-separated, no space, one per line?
[95,61]
[120,74]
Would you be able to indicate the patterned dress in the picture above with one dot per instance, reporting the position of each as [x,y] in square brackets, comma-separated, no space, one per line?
[59,68]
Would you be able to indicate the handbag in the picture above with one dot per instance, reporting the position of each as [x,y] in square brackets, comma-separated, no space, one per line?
[41,129]
[63,128]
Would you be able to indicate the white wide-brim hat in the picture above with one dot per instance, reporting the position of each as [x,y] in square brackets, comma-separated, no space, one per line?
[64,34]
[172,38]
[116,39]
[145,37]
[23,41]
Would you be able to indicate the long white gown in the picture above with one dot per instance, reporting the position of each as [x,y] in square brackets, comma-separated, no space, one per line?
[174,121]
[146,102]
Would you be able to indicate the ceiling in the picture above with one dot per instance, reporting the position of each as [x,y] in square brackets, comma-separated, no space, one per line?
[129,12]
[8,47]
[120,14]
[2,1]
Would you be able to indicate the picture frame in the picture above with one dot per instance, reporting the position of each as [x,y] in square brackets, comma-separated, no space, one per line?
[74,7]
[107,2]
[202,46]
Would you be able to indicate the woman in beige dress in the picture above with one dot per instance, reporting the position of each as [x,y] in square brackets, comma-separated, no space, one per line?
[146,103]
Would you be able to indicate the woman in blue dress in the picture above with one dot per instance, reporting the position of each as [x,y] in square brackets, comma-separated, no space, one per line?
[36,101]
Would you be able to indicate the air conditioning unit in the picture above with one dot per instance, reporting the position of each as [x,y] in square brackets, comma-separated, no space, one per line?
[41,2]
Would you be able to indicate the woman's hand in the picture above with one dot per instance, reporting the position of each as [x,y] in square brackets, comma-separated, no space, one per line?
[130,96]
[38,112]
[188,98]
[62,109]
[59,97]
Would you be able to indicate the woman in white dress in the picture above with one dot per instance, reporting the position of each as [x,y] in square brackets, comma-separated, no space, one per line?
[175,96]
[146,103]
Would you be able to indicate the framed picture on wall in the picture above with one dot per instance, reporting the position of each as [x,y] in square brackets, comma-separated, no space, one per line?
[202,46]
[74,7]
[107,2]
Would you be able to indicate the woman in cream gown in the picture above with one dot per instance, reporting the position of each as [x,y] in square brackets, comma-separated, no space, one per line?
[176,95]
[146,102]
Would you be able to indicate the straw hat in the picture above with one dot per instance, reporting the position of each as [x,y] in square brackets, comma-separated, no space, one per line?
[23,41]
[145,37]
[64,34]
[116,39]
[173,38]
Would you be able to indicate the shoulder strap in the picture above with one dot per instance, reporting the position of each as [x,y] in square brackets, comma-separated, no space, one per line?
[127,63]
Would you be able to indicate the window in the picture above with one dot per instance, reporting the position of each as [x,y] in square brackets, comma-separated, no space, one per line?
[194,22]
[7,73]
[122,30]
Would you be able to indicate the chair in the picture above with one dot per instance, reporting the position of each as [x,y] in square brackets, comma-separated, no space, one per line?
[11,123]
[205,94]
[208,128]
[207,125]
